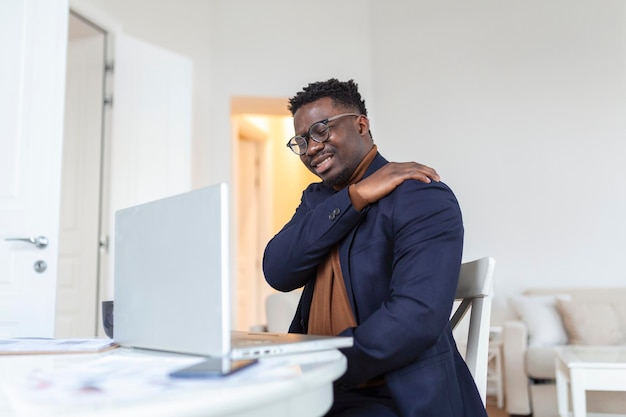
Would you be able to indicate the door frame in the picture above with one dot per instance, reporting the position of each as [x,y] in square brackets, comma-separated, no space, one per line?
[111,28]
[80,226]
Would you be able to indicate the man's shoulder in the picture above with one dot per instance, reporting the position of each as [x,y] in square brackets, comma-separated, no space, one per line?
[432,189]
[423,197]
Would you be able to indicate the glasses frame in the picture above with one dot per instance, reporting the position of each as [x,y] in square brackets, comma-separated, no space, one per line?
[291,143]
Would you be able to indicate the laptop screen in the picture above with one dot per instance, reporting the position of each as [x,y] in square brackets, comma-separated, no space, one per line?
[172,281]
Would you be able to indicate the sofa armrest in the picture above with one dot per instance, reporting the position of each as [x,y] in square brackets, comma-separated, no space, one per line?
[514,346]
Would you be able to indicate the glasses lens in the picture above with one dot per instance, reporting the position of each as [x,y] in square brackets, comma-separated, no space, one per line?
[298,145]
[319,132]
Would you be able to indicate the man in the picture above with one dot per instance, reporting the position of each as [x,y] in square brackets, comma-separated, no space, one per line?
[377,246]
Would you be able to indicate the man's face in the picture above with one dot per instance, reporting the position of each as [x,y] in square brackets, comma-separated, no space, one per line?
[335,160]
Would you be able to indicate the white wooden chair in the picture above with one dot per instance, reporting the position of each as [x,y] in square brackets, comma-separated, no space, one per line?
[475,290]
[279,309]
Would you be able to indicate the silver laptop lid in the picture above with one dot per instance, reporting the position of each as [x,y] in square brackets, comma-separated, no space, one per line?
[172,281]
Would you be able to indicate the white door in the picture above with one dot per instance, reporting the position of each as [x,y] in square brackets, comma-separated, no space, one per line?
[33,36]
[79,228]
[253,227]
[249,306]
[150,154]
[147,155]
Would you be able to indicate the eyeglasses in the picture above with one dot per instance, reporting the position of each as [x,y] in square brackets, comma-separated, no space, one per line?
[319,132]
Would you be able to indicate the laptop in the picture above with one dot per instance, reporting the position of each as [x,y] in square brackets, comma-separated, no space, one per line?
[172,286]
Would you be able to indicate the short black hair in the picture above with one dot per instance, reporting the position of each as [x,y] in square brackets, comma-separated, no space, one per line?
[343,93]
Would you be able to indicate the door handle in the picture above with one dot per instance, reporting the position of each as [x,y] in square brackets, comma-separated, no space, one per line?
[39,241]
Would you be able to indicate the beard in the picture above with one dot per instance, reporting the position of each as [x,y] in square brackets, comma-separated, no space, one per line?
[340,180]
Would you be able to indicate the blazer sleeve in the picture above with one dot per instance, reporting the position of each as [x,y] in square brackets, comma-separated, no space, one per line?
[321,220]
[427,240]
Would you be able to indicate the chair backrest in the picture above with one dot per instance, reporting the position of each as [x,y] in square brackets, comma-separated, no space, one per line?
[475,289]
[279,309]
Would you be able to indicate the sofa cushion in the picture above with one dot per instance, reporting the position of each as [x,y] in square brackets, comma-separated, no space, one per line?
[539,313]
[540,362]
[591,322]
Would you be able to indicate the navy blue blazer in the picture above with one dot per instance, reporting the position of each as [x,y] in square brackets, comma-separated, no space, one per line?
[400,260]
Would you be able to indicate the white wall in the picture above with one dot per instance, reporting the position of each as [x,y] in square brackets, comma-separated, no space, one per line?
[273,48]
[521,106]
[181,27]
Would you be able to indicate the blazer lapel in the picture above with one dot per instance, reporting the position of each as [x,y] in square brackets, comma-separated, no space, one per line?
[346,245]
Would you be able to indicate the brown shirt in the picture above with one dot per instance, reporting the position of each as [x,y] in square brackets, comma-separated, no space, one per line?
[331,312]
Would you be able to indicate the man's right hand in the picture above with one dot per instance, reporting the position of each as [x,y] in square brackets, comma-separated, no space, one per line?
[387,178]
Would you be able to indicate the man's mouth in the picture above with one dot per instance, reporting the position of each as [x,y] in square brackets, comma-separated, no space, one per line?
[322,165]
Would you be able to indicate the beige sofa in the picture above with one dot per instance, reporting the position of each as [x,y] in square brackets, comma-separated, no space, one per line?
[550,317]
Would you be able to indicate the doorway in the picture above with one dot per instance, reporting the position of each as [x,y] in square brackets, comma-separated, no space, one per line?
[269,180]
[80,246]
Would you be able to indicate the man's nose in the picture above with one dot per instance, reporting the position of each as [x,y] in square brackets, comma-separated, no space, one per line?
[313,147]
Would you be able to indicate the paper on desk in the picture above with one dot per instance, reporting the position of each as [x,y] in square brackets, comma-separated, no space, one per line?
[30,346]
[102,381]
[115,379]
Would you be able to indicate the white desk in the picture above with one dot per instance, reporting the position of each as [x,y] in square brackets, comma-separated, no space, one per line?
[135,383]
[587,368]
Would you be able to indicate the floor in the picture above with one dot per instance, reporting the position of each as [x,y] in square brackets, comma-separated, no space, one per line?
[493,411]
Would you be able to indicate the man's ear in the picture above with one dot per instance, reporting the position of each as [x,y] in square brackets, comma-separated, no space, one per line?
[364,125]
